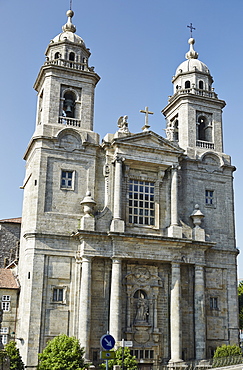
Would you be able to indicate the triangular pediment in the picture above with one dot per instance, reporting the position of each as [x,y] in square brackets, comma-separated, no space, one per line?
[148,139]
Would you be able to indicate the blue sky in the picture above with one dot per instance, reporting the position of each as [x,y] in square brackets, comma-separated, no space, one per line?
[136,46]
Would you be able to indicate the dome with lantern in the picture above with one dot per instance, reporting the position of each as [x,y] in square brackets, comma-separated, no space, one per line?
[192,63]
[68,33]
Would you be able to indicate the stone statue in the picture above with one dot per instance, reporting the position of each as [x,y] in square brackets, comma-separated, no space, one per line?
[123,124]
[142,310]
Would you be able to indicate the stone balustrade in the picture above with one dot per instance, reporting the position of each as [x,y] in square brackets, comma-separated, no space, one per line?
[69,121]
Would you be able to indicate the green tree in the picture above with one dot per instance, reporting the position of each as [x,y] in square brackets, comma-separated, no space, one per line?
[12,352]
[227,350]
[62,353]
[129,361]
[240,298]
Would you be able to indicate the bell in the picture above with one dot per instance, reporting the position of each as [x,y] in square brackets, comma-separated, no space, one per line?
[69,105]
[68,109]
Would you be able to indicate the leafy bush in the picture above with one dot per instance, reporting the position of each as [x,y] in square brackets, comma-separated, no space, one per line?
[13,354]
[62,353]
[129,361]
[227,350]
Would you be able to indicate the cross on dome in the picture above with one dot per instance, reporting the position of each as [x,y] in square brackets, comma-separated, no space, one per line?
[191,28]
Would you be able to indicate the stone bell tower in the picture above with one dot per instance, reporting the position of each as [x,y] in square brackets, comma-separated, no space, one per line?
[66,83]
[194,112]
[60,169]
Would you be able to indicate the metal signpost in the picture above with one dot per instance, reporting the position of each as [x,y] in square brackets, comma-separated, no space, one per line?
[107,342]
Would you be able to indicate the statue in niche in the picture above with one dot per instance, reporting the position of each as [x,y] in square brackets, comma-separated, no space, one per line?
[142,308]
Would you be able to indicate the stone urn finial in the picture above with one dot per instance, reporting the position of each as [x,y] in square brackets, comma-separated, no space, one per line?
[197,216]
[88,203]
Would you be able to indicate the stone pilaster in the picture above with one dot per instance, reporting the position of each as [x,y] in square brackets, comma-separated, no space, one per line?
[115,299]
[174,230]
[200,325]
[85,306]
[117,223]
[175,318]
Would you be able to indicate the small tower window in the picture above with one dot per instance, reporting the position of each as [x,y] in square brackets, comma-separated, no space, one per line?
[187,85]
[71,56]
[57,55]
[69,105]
[176,130]
[200,85]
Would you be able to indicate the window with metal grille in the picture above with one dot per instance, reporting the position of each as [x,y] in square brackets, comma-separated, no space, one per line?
[141,202]
[142,353]
[58,295]
[214,303]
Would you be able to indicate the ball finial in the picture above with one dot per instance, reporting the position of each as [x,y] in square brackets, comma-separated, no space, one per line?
[70,13]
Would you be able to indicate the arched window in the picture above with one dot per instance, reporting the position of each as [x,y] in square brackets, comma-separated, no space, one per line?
[57,55]
[187,85]
[202,123]
[200,85]
[140,294]
[69,104]
[71,56]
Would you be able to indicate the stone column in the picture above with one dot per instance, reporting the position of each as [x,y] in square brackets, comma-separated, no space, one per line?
[175,319]
[115,299]
[85,306]
[174,229]
[117,188]
[174,195]
[200,324]
[117,223]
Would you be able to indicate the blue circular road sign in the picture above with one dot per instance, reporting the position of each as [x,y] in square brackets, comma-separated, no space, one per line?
[107,342]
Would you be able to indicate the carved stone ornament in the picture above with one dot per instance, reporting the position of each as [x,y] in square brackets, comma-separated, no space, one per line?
[141,274]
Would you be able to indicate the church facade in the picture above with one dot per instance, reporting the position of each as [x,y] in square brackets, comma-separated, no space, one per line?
[135,235]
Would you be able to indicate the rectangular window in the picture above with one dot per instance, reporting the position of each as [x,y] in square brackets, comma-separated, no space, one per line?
[6,303]
[209,197]
[58,295]
[142,354]
[4,330]
[141,202]
[4,338]
[67,179]
[214,303]
[6,298]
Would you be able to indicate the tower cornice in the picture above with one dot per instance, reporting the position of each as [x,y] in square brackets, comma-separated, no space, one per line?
[188,97]
[54,67]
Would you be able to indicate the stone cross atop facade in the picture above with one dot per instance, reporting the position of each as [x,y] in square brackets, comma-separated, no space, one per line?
[147,112]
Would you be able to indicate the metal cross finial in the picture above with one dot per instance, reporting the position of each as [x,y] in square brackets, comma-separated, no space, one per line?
[191,28]
[146,111]
[71,4]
